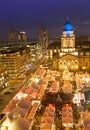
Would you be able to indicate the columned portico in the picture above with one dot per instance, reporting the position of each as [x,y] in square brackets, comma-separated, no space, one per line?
[70,64]
[69,61]
[67,55]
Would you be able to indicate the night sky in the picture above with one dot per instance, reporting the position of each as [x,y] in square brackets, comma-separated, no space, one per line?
[30,15]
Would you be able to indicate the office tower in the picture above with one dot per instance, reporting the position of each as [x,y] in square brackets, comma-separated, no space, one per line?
[15,59]
[13,35]
[22,36]
[43,38]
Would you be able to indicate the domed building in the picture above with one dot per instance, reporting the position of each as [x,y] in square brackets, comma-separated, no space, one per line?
[68,26]
[68,38]
[66,54]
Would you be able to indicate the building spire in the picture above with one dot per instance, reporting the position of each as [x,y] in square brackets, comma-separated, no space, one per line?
[67,18]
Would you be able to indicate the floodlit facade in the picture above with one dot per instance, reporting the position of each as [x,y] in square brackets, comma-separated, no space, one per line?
[67,55]
[14,60]
[3,77]
[35,52]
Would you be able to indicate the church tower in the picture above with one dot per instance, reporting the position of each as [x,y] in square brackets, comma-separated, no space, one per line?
[67,38]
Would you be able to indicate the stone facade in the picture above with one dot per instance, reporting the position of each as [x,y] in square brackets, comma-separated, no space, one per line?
[67,55]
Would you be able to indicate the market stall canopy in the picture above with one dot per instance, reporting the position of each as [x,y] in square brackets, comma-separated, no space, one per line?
[16,112]
[23,103]
[19,124]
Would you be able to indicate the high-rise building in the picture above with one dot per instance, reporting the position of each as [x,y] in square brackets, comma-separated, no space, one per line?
[15,59]
[43,37]
[22,36]
[14,35]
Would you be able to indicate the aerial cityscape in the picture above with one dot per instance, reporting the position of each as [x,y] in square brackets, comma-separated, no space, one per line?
[45,65]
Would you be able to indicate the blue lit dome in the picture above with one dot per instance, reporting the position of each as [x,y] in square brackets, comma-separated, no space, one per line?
[68,26]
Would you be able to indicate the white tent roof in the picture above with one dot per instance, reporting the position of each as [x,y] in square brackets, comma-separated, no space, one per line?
[45,125]
[16,112]
[24,103]
[30,90]
[19,124]
[10,106]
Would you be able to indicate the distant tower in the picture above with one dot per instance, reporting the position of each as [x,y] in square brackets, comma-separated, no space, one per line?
[68,38]
[13,35]
[43,37]
[23,36]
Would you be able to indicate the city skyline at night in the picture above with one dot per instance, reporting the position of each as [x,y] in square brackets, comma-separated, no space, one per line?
[44,65]
[29,16]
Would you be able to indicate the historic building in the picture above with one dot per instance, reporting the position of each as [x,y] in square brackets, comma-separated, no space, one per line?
[66,54]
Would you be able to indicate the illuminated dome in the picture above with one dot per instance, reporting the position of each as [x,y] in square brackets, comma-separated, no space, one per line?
[68,26]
